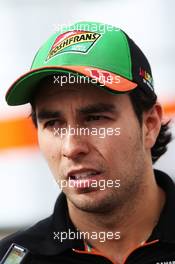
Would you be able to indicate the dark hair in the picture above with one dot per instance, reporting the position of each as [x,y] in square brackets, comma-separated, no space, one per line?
[141,102]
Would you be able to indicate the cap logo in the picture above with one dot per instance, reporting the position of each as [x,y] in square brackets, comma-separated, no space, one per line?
[147,78]
[104,76]
[73,41]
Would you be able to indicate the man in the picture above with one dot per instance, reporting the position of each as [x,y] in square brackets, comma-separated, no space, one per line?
[100,129]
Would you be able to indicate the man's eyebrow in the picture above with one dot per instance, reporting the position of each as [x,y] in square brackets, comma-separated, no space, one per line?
[98,108]
[46,114]
[89,109]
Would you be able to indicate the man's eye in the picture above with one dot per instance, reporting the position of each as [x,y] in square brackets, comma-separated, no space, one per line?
[96,117]
[52,123]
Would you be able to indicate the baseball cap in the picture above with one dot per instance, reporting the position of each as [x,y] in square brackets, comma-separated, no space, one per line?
[97,51]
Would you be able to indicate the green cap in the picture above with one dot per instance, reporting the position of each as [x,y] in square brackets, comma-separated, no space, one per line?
[98,51]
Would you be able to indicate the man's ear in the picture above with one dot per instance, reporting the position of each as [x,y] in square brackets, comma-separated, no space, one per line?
[152,120]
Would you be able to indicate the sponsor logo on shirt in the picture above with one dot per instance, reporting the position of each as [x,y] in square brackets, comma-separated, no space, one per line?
[166,262]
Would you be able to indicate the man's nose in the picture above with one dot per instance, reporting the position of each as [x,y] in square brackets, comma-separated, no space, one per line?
[74,146]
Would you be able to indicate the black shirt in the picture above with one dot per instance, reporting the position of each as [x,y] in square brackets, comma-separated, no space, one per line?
[45,246]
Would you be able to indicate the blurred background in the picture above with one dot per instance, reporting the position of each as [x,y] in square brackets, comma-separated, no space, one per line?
[27,189]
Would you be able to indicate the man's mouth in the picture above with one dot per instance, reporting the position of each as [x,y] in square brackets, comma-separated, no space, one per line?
[83,175]
[83,179]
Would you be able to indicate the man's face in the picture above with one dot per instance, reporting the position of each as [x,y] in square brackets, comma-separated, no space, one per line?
[91,158]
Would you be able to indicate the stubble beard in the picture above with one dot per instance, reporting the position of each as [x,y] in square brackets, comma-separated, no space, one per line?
[121,200]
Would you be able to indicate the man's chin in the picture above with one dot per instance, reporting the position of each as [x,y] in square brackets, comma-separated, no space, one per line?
[91,201]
